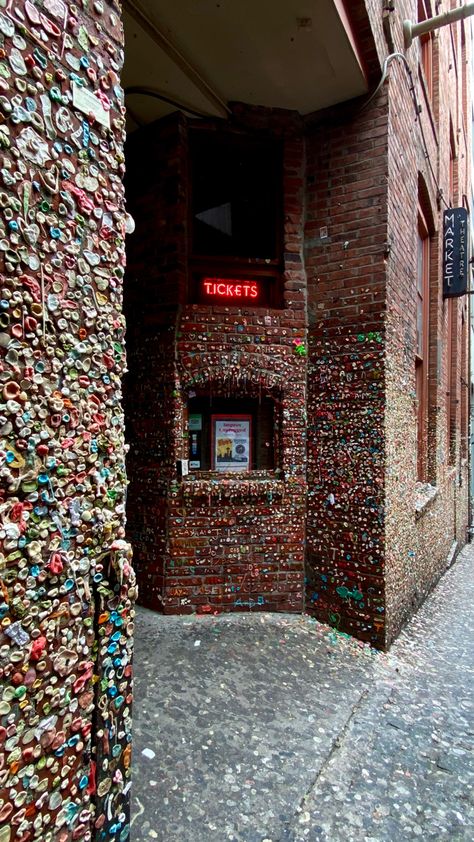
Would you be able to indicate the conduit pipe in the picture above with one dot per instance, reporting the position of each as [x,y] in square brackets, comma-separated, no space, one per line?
[414,30]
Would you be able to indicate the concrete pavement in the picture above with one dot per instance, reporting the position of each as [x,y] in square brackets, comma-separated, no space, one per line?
[274,728]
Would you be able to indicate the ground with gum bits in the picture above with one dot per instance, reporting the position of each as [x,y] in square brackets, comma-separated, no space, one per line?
[274,728]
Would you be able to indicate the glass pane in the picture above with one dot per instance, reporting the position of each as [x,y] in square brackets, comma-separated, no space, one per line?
[419,327]
[420,266]
[236,188]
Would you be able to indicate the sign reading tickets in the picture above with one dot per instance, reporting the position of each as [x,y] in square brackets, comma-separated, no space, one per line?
[455,252]
[218,288]
[231,442]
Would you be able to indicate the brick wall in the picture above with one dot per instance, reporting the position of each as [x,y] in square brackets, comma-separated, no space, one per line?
[423,521]
[378,540]
[236,543]
[345,248]
[155,285]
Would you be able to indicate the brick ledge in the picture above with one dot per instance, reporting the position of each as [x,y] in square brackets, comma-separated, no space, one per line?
[227,488]
[425,494]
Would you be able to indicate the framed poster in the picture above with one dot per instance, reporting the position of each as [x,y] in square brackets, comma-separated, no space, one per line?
[231,442]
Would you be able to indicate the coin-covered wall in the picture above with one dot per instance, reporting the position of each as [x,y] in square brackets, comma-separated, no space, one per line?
[67,585]
[212,541]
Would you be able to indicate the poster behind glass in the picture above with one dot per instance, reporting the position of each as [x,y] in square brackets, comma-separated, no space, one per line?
[231,442]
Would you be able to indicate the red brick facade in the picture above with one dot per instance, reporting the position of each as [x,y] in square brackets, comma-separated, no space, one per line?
[207,543]
[426,522]
[347,505]
[347,199]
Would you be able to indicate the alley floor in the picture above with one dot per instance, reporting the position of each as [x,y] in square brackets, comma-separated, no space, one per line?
[274,728]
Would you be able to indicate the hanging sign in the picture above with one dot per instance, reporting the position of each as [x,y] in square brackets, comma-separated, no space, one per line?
[455,252]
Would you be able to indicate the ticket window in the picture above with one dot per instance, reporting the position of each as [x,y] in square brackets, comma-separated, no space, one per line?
[229,435]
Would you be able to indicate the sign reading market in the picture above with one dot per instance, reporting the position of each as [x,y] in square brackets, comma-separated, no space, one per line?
[455,252]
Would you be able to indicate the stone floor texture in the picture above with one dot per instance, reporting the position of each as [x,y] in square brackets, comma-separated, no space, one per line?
[275,728]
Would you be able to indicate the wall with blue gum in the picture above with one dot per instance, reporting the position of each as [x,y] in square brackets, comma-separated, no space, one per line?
[67,587]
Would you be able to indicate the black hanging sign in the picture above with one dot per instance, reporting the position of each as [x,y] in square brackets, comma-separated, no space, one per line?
[455,252]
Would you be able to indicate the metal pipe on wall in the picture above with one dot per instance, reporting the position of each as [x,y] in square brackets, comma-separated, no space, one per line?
[414,30]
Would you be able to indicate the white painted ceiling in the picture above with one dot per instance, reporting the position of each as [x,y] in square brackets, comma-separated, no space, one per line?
[204,54]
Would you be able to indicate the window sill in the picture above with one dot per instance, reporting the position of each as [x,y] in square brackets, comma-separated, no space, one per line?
[425,494]
[227,488]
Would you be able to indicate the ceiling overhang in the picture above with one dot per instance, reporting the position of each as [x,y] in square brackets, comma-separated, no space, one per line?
[199,55]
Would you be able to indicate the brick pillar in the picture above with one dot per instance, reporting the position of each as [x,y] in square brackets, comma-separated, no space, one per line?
[346,233]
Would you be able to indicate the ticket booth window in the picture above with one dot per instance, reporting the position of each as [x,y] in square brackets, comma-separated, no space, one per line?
[231,435]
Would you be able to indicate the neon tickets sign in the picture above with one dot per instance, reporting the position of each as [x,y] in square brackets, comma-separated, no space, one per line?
[229,288]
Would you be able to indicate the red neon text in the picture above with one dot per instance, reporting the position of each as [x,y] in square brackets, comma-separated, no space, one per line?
[230,289]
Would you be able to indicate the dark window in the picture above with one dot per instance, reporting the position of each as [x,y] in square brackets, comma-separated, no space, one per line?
[451,365]
[255,447]
[426,42]
[464,383]
[422,346]
[236,196]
